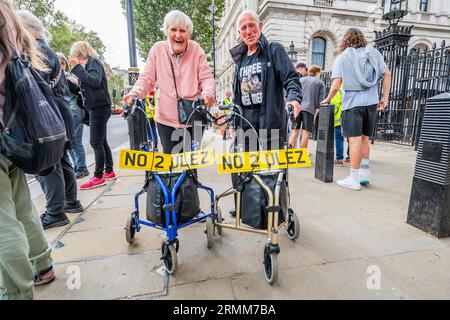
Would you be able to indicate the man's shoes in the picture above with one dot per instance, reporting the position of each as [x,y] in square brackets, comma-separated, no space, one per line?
[233,212]
[81,174]
[349,183]
[74,207]
[347,161]
[364,176]
[109,176]
[44,277]
[93,183]
[49,221]
[339,163]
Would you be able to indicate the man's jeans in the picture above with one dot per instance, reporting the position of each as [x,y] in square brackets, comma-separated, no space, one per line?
[59,187]
[24,249]
[77,153]
[339,142]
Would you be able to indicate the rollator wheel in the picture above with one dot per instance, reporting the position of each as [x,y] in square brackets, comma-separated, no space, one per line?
[219,220]
[271,267]
[293,225]
[209,233]
[169,253]
[130,229]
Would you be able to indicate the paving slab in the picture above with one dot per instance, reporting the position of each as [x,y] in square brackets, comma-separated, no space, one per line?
[117,277]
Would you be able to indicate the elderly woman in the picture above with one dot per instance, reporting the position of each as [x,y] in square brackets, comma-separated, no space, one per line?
[191,74]
[91,74]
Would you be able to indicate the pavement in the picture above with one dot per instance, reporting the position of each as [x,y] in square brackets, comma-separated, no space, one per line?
[352,245]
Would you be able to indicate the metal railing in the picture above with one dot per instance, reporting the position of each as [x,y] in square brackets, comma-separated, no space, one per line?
[323,3]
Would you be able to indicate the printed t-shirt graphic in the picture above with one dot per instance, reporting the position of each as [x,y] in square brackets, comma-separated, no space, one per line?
[250,79]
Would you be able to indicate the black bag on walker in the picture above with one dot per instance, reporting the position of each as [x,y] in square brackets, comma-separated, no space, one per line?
[187,202]
[254,201]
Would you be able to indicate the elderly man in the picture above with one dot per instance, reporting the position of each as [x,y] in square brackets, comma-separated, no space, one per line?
[263,70]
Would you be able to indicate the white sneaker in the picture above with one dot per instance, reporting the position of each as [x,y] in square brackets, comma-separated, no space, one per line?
[349,183]
[364,176]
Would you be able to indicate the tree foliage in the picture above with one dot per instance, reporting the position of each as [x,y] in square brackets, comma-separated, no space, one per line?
[149,18]
[64,31]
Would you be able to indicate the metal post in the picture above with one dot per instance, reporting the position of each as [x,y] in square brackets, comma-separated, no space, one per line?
[213,10]
[136,123]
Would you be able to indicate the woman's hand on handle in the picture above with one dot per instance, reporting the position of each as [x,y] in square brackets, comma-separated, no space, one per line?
[129,98]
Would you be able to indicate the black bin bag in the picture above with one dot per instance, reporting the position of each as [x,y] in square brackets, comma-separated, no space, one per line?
[254,200]
[187,202]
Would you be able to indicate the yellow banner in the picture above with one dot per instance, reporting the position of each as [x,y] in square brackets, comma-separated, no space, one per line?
[193,160]
[159,162]
[147,161]
[264,160]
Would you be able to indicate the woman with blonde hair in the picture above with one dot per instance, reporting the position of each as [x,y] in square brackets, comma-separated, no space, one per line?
[24,250]
[92,79]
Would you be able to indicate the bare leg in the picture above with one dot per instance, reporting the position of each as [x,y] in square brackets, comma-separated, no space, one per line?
[305,139]
[355,152]
[294,138]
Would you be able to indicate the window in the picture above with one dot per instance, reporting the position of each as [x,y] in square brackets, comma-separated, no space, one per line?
[318,51]
[423,6]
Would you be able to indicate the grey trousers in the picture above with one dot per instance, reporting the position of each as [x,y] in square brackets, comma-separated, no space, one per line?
[59,187]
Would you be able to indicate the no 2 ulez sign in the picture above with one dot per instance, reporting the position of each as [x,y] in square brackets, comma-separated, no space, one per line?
[226,163]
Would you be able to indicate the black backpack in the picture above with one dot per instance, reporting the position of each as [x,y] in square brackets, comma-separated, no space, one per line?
[34,134]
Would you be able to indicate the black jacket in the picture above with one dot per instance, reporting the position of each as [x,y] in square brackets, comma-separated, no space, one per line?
[93,83]
[60,89]
[278,73]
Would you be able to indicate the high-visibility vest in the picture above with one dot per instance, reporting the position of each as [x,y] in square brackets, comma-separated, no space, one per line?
[149,106]
[337,102]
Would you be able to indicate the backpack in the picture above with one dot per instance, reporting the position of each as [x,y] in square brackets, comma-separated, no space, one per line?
[34,135]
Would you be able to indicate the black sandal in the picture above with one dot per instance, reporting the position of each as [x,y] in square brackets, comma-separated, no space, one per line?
[37,277]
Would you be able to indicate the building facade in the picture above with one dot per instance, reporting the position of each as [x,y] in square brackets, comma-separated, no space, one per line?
[316,27]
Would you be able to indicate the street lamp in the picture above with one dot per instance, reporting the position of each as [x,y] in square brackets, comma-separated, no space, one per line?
[292,53]
[395,10]
[213,9]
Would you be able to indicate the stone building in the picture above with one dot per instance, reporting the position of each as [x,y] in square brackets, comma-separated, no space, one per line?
[316,27]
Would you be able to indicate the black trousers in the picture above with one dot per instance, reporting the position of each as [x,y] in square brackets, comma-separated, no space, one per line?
[172,139]
[59,187]
[98,128]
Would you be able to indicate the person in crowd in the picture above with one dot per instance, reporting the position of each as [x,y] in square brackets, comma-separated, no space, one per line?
[338,137]
[180,61]
[360,69]
[150,108]
[24,251]
[92,79]
[227,130]
[313,92]
[263,100]
[228,98]
[60,187]
[302,69]
[77,154]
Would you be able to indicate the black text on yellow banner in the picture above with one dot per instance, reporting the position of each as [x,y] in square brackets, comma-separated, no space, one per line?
[158,162]
[264,160]
[192,160]
[146,161]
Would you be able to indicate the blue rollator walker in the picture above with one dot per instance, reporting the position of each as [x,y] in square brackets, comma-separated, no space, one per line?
[170,245]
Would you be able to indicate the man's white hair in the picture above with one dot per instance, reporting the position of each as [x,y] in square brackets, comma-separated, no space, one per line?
[178,18]
[253,14]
